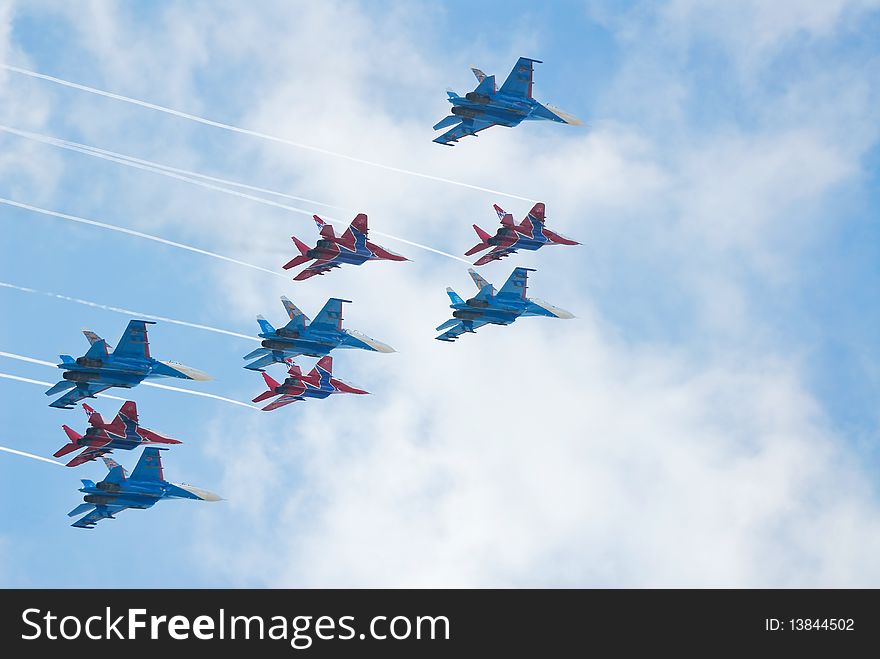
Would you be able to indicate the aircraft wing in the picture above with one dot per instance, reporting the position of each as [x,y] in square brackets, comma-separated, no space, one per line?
[458,327]
[519,82]
[149,467]
[463,129]
[96,515]
[134,342]
[495,255]
[81,391]
[281,401]
[319,267]
[516,284]
[330,316]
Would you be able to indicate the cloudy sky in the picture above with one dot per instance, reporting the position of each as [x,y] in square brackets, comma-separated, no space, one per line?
[710,418]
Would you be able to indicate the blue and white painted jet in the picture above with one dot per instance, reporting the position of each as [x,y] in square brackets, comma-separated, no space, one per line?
[487,106]
[141,489]
[495,308]
[314,339]
[126,366]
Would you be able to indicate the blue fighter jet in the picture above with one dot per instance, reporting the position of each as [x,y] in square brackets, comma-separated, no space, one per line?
[126,366]
[142,489]
[314,339]
[496,308]
[487,106]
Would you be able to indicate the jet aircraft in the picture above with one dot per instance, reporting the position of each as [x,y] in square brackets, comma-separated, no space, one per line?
[487,106]
[530,234]
[141,489]
[301,337]
[496,308]
[319,383]
[124,432]
[333,251]
[126,366]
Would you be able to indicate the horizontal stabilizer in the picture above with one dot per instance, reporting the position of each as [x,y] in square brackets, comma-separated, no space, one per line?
[81,509]
[446,122]
[269,357]
[452,322]
[259,352]
[270,381]
[484,236]
[64,385]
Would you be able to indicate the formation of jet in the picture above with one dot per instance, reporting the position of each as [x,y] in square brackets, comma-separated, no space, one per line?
[101,437]
[332,251]
[487,106]
[529,234]
[126,366]
[496,308]
[141,489]
[103,367]
[319,383]
[314,339]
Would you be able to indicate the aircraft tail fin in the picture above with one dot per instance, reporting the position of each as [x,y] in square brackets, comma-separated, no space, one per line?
[453,296]
[537,213]
[325,363]
[326,229]
[265,325]
[479,75]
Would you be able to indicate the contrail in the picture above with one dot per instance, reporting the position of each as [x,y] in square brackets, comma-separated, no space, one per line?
[31,455]
[41,362]
[204,181]
[150,164]
[138,234]
[200,393]
[127,312]
[254,133]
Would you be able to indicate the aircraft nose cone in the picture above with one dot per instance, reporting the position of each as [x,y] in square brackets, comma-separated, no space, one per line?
[204,495]
[189,371]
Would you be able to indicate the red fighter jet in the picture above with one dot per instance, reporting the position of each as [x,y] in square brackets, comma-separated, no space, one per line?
[102,437]
[319,383]
[530,234]
[333,251]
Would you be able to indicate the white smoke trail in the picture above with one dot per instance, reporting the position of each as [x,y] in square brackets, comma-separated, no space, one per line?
[31,360]
[151,165]
[254,133]
[31,455]
[127,312]
[195,179]
[138,234]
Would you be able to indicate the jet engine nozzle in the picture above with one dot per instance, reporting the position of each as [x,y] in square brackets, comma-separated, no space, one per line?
[465,113]
[474,97]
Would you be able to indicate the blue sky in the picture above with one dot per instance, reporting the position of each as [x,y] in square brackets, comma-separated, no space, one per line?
[713,407]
